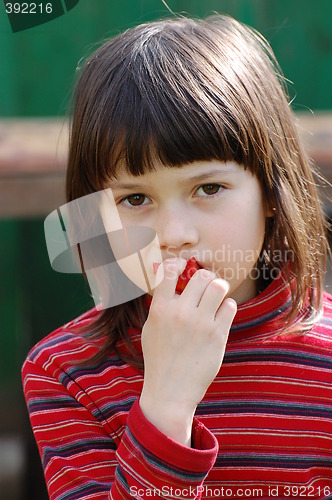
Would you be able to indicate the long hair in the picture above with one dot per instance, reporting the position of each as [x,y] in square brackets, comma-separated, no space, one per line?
[182,90]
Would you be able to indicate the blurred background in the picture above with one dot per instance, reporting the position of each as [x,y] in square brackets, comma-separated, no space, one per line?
[37,74]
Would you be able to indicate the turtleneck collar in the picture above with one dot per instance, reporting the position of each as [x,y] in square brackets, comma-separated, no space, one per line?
[267,308]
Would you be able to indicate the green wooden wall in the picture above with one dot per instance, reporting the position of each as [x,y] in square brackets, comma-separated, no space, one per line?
[37,65]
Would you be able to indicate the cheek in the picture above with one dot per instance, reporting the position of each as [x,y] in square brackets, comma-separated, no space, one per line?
[136,253]
[252,226]
[239,232]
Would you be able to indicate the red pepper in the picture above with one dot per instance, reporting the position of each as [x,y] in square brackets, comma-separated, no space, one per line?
[190,269]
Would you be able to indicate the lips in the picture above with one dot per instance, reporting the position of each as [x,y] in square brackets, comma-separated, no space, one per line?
[190,269]
[155,267]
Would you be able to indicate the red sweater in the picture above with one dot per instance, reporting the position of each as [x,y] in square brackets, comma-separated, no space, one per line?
[263,429]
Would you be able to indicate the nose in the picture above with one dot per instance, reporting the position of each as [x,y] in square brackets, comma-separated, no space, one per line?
[176,229]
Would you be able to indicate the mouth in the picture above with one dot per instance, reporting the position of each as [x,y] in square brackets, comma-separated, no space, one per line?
[190,269]
[155,267]
[191,263]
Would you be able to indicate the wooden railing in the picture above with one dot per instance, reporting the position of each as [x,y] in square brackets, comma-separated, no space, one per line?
[33,155]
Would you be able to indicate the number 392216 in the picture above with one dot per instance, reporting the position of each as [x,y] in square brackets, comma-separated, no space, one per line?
[28,8]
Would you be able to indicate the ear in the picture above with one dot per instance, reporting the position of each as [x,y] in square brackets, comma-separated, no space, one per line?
[270,208]
[271,211]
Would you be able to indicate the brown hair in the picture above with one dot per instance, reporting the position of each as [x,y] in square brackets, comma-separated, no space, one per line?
[181,90]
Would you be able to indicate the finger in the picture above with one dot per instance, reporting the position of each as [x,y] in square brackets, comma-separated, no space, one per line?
[197,285]
[168,274]
[226,312]
[213,296]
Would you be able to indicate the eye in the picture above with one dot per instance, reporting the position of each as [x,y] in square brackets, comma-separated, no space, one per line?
[210,189]
[134,200]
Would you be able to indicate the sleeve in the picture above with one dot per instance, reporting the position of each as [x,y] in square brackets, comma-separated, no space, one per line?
[80,458]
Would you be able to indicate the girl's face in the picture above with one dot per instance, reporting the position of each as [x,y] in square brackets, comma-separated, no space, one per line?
[212,211]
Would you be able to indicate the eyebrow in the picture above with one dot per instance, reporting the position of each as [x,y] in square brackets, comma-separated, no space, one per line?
[198,177]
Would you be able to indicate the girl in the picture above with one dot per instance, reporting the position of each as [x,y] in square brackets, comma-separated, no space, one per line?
[187,123]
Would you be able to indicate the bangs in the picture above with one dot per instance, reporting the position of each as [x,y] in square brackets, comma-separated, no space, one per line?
[147,123]
[158,99]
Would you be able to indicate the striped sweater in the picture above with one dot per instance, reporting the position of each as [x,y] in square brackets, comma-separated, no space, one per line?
[263,429]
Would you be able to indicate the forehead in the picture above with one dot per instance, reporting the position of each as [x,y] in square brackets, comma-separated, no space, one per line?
[195,171]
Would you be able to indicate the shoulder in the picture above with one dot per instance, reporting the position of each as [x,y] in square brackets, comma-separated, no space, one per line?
[326,316]
[321,333]
[327,301]
[67,345]
[53,374]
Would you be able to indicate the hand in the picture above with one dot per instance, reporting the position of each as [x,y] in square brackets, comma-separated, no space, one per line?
[183,342]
